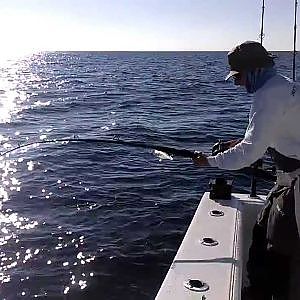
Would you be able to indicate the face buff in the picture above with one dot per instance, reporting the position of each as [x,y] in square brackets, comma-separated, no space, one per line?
[257,78]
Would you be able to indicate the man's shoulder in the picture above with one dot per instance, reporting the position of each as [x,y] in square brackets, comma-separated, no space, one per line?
[274,95]
[276,87]
[278,80]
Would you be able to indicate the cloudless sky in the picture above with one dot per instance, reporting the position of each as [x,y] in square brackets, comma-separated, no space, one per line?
[27,25]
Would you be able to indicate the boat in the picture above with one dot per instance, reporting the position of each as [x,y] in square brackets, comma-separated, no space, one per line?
[211,262]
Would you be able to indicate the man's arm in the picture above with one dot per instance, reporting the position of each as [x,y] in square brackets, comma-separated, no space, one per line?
[260,134]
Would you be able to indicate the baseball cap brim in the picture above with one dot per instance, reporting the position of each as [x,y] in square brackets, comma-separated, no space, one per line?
[230,74]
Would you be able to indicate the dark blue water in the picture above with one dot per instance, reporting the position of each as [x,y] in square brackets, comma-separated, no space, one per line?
[102,221]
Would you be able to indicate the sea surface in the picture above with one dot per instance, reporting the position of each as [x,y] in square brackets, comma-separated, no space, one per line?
[98,221]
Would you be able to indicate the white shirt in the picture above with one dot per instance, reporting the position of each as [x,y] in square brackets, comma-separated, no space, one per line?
[274,121]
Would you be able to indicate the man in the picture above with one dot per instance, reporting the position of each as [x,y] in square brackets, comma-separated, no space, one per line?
[274,125]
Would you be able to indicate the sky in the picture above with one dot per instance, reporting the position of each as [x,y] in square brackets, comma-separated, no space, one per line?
[142,25]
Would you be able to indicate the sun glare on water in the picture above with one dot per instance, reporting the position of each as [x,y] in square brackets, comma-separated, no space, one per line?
[8,54]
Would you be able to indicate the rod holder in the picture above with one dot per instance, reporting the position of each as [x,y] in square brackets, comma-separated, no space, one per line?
[220,188]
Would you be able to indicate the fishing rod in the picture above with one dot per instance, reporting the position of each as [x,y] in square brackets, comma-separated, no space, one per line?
[262,35]
[168,150]
[295,37]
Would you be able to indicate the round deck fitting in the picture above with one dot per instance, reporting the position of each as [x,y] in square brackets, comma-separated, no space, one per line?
[196,285]
[208,241]
[216,213]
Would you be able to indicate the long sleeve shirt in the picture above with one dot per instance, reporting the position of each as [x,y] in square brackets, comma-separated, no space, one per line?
[274,121]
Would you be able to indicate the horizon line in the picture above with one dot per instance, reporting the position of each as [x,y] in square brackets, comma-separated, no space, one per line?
[39,51]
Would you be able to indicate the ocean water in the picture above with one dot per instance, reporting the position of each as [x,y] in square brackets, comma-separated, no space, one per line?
[96,221]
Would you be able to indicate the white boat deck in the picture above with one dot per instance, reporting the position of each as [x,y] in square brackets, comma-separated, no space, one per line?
[222,266]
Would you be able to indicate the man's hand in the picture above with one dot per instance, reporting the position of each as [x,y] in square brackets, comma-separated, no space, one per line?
[200,160]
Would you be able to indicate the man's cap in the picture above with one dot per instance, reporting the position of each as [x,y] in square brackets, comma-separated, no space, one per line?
[248,56]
